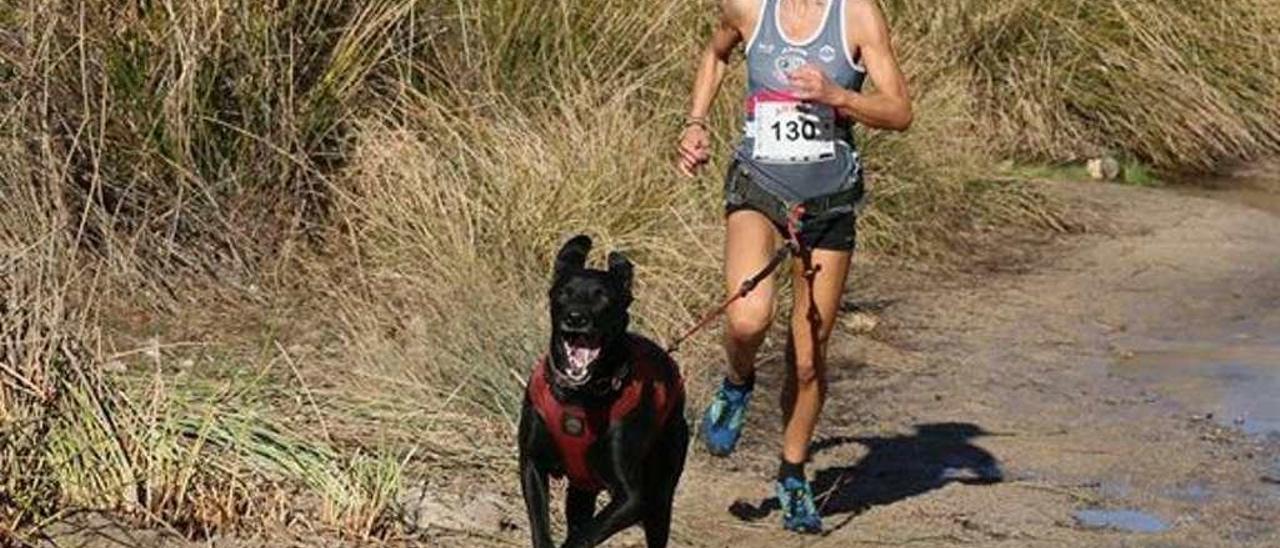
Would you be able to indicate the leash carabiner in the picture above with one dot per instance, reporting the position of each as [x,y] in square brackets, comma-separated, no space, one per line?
[795,223]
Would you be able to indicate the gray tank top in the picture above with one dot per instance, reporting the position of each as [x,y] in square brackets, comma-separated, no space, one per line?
[770,56]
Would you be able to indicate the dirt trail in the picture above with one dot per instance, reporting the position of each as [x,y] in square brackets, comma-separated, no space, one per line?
[987,408]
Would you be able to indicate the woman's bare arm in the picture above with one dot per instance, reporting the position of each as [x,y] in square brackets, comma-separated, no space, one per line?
[714,61]
[889,106]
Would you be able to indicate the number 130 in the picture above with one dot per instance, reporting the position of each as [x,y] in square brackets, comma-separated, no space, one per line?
[794,130]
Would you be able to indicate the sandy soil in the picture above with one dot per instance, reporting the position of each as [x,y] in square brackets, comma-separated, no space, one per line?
[990,405]
[987,409]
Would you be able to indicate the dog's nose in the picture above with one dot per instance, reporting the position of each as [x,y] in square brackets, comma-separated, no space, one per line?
[576,320]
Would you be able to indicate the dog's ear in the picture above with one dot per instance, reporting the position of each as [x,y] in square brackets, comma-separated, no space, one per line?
[620,269]
[573,255]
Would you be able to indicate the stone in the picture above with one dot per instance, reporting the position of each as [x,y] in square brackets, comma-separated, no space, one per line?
[860,322]
[486,512]
[1105,168]
[424,509]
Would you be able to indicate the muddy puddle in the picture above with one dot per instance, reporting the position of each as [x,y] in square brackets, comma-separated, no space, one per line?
[1130,521]
[1235,381]
[1233,375]
[1255,185]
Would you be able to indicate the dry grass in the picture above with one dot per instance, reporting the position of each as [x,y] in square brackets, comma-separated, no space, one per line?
[384,182]
[1178,84]
[41,339]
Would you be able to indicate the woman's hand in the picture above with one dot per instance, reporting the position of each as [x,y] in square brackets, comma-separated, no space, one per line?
[695,143]
[695,149]
[809,83]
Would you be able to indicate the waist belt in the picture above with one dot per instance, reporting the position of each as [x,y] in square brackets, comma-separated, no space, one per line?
[743,189]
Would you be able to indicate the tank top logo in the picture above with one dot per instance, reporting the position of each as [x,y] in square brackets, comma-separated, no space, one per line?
[789,60]
[827,54]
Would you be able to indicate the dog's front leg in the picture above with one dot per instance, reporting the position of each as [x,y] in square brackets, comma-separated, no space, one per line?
[533,478]
[534,484]
[623,474]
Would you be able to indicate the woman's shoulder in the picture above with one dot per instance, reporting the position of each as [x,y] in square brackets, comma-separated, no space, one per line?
[742,13]
[863,19]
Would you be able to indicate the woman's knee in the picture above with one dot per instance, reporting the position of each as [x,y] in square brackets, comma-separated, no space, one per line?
[749,321]
[807,371]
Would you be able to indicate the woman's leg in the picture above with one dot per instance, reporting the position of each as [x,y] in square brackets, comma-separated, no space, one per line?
[748,248]
[749,245]
[813,314]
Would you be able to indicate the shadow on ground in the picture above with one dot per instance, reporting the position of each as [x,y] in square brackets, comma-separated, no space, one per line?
[894,468]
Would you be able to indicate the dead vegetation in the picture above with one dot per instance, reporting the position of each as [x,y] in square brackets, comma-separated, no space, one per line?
[364,196]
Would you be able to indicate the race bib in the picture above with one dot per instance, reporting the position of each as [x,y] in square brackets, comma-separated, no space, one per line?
[787,133]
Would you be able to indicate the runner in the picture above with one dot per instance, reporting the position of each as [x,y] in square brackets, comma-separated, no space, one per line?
[806,63]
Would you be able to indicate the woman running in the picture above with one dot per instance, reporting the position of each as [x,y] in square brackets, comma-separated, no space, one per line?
[806,63]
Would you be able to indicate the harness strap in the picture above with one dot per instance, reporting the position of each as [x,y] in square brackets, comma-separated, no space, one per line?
[575,427]
[604,385]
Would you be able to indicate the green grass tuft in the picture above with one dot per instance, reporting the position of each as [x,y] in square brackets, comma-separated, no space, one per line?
[1137,173]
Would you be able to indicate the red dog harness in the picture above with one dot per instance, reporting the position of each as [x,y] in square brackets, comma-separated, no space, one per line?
[575,428]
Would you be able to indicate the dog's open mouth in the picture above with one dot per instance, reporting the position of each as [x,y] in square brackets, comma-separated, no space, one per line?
[580,350]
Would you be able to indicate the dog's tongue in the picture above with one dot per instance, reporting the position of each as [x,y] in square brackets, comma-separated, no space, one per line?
[582,355]
[580,352]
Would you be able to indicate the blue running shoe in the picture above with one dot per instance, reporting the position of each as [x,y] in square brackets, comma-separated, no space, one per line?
[722,424]
[798,511]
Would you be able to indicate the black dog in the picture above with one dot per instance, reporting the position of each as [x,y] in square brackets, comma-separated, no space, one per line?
[605,408]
